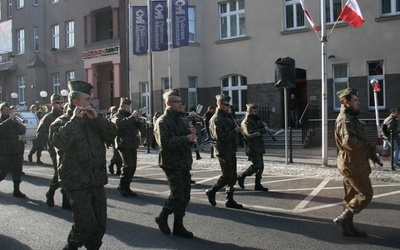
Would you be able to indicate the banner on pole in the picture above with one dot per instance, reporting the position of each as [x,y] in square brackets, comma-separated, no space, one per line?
[159,27]
[180,23]
[140,29]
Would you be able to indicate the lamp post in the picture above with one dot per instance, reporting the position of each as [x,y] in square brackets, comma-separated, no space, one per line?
[43,94]
[64,94]
[14,96]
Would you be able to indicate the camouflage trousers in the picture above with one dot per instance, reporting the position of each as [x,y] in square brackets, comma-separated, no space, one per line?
[257,166]
[179,186]
[11,163]
[129,163]
[358,192]
[229,173]
[89,208]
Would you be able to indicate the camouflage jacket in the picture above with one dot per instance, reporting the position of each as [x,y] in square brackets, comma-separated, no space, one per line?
[170,131]
[128,128]
[9,136]
[253,130]
[79,142]
[42,132]
[222,130]
[353,149]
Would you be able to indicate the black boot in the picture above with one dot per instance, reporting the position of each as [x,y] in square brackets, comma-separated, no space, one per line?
[240,180]
[38,161]
[211,196]
[17,193]
[65,201]
[230,202]
[50,197]
[344,222]
[179,229]
[122,188]
[111,168]
[130,192]
[70,247]
[355,230]
[162,221]
[259,187]
[118,170]
[30,158]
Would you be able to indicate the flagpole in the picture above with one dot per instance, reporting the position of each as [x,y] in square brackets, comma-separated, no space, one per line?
[169,4]
[130,25]
[149,58]
[324,110]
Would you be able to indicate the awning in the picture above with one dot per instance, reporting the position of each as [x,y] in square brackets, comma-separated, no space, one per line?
[7,66]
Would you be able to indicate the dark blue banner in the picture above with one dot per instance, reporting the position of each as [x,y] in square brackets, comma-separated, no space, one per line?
[140,30]
[180,23]
[159,27]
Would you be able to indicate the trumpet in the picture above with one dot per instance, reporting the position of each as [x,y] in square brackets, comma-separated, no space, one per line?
[18,119]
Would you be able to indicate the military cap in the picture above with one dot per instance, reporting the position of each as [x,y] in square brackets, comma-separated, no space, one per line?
[55,97]
[4,105]
[251,106]
[125,101]
[13,107]
[80,86]
[342,94]
[223,97]
[171,92]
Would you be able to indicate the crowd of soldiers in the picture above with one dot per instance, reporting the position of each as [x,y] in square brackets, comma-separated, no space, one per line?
[77,138]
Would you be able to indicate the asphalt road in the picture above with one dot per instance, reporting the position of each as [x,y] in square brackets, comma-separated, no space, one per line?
[297,213]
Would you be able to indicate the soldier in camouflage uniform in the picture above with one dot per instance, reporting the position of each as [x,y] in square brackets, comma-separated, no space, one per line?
[253,130]
[79,137]
[43,132]
[127,143]
[175,139]
[352,161]
[10,147]
[224,130]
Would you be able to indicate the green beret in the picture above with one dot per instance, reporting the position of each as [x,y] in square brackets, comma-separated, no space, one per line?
[342,94]
[4,105]
[125,101]
[223,97]
[169,92]
[251,106]
[80,86]
[55,97]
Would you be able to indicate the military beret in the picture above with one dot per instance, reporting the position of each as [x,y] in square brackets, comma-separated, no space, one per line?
[80,86]
[171,92]
[251,106]
[342,94]
[223,97]
[55,97]
[125,101]
[4,105]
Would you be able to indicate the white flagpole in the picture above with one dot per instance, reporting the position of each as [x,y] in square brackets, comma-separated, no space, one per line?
[324,110]
[149,58]
[130,31]
[169,22]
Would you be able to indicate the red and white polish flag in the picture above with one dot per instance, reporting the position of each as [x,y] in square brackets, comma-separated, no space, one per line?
[309,18]
[351,14]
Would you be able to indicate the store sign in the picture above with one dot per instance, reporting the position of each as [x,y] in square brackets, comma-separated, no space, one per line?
[100,52]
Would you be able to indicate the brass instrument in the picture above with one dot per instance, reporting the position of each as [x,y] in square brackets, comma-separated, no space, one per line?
[19,120]
[43,109]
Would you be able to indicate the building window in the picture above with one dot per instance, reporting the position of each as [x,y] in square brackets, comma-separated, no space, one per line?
[36,39]
[70,34]
[56,83]
[376,70]
[21,89]
[294,15]
[20,41]
[236,87]
[333,9]
[110,30]
[192,93]
[192,24]
[165,83]
[55,36]
[35,2]
[20,4]
[390,7]
[340,81]
[54,1]
[70,75]
[145,96]
[9,8]
[232,19]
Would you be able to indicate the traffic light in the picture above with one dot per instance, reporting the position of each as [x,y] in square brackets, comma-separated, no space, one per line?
[285,73]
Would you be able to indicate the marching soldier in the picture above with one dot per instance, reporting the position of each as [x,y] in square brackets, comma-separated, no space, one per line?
[253,130]
[116,158]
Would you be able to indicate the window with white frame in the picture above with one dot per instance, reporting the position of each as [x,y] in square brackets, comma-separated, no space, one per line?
[9,8]
[333,9]
[20,4]
[192,93]
[56,83]
[20,41]
[376,71]
[340,81]
[35,2]
[390,7]
[55,36]
[294,15]
[70,34]
[70,75]
[36,39]
[144,96]
[21,89]
[236,87]
[232,19]
[192,24]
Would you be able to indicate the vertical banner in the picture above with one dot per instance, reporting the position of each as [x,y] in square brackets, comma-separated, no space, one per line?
[180,23]
[140,29]
[159,27]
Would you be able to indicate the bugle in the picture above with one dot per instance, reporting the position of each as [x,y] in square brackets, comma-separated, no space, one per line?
[18,119]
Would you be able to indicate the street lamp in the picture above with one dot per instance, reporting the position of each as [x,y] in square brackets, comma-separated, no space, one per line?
[64,93]
[43,94]
[14,96]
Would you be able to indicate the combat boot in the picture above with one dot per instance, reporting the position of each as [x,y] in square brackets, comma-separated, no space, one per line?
[162,221]
[30,158]
[357,233]
[211,196]
[65,201]
[230,202]
[50,197]
[240,180]
[70,247]
[344,222]
[17,193]
[129,191]
[179,229]
[259,187]
[118,170]
[122,188]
